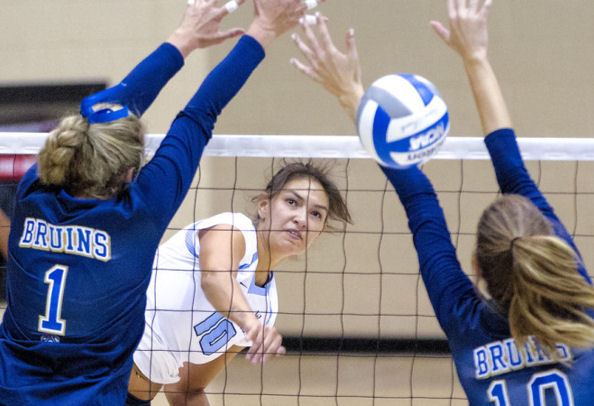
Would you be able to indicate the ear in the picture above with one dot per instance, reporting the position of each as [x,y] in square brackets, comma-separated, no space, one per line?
[264,209]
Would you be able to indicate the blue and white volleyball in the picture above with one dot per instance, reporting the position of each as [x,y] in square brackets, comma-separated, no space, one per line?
[402,120]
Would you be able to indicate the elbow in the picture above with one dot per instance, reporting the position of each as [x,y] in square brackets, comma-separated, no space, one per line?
[208,281]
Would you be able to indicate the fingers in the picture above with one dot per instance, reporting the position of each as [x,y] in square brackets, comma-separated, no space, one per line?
[306,70]
[452,9]
[229,7]
[325,37]
[473,6]
[309,34]
[265,345]
[463,7]
[352,52]
[311,4]
[441,31]
[486,6]
[308,53]
[460,6]
[272,344]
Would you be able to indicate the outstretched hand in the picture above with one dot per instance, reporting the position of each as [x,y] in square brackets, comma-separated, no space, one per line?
[266,342]
[339,73]
[467,33]
[200,27]
[275,17]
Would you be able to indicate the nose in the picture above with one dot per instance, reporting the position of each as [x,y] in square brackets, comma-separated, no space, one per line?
[300,218]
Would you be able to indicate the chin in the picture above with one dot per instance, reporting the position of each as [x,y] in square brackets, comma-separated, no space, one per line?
[290,249]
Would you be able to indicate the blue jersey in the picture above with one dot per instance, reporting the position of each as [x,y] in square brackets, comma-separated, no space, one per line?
[491,368]
[79,269]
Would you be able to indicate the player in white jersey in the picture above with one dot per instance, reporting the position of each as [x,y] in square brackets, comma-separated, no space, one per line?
[213,291]
[177,269]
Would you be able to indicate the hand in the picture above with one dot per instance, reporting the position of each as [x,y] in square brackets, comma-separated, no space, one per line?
[468,28]
[275,17]
[200,27]
[339,73]
[266,342]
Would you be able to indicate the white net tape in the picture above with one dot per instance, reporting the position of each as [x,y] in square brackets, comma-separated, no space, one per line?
[334,146]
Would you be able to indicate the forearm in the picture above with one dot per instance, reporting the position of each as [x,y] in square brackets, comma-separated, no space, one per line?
[487,94]
[439,266]
[142,85]
[225,80]
[180,152]
[262,35]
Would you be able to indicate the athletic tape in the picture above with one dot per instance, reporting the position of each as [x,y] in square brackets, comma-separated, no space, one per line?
[311,4]
[311,19]
[231,6]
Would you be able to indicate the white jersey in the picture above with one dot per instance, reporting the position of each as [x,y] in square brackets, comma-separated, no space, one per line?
[180,323]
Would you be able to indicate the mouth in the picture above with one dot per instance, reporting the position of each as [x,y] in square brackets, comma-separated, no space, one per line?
[295,235]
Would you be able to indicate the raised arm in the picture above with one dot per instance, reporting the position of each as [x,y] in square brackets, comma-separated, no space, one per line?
[176,160]
[137,91]
[221,249]
[468,36]
[340,74]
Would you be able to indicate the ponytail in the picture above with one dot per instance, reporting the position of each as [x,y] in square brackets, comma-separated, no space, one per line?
[532,275]
[550,297]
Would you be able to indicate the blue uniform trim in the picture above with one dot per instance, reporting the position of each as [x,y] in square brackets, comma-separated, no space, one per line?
[261,290]
[191,238]
[254,259]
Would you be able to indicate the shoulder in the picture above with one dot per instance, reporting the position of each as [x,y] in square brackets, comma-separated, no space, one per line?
[237,220]
[221,230]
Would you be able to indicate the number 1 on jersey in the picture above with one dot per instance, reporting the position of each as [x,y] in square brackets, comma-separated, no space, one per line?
[52,322]
[498,393]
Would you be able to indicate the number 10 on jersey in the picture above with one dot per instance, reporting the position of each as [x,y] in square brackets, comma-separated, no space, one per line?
[51,322]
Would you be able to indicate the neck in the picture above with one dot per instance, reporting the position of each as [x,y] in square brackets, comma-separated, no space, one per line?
[266,259]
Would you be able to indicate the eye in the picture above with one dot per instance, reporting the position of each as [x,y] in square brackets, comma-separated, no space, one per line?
[291,202]
[317,214]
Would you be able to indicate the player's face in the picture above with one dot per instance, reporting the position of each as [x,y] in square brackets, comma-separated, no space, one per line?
[295,216]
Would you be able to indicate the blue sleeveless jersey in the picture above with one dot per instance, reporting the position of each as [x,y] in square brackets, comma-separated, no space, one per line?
[79,269]
[492,369]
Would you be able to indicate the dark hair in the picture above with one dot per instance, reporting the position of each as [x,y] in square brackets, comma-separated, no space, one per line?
[337,209]
[532,275]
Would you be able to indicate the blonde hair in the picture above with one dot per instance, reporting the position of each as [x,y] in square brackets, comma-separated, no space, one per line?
[92,158]
[532,274]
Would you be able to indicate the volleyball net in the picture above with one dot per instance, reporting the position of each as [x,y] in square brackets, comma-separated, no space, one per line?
[353,310]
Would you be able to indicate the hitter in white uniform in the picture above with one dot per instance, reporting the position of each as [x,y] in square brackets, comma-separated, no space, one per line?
[175,289]
[213,291]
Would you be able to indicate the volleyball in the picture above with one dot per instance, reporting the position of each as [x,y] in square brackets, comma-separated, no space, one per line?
[402,120]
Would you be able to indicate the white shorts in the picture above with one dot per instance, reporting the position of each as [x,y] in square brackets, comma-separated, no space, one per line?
[155,360]
[169,341]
